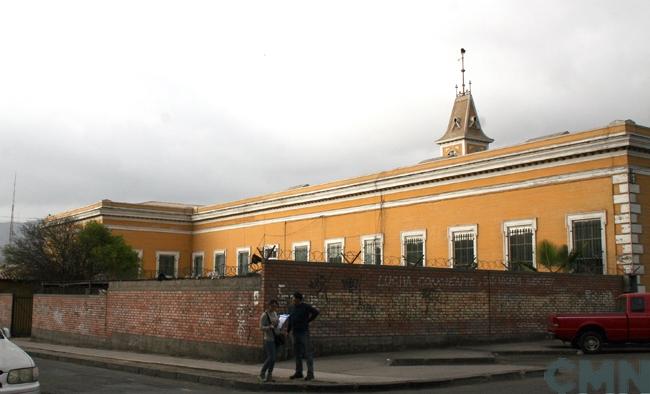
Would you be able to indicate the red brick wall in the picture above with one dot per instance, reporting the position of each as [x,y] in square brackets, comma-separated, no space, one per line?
[366,308]
[227,317]
[205,318]
[363,308]
[6,303]
[79,315]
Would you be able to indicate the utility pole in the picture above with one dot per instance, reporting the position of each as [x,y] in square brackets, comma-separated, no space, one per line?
[13,204]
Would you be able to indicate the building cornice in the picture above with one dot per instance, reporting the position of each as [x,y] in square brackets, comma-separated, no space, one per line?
[580,176]
[526,158]
[551,155]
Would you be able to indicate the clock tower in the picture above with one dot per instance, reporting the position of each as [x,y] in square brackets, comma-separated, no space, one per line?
[464,134]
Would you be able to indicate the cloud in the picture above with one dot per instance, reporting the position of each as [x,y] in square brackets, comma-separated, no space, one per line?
[212,101]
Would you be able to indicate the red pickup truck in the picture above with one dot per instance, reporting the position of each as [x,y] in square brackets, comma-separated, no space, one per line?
[589,331]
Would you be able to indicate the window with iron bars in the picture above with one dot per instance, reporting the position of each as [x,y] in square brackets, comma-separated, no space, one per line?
[520,248]
[242,262]
[197,265]
[588,245]
[301,252]
[271,252]
[167,265]
[463,248]
[220,264]
[414,250]
[372,251]
[335,252]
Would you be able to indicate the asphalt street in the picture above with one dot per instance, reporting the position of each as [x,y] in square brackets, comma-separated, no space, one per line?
[61,378]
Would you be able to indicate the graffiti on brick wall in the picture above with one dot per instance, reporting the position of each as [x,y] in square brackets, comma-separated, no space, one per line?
[352,286]
[57,316]
[423,282]
[429,297]
[318,286]
[243,314]
[462,282]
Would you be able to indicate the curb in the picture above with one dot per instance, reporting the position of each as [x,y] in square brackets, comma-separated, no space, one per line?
[403,362]
[247,382]
[568,352]
[560,352]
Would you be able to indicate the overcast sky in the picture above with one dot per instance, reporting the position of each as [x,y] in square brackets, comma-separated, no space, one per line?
[206,102]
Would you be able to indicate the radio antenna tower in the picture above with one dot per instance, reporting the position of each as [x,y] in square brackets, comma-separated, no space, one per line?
[13,204]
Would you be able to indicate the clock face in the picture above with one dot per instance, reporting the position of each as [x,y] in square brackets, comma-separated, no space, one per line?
[451,153]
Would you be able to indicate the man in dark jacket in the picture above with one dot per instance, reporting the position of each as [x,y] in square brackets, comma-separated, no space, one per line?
[301,315]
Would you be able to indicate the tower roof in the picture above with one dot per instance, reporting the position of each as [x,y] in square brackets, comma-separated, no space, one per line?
[463,122]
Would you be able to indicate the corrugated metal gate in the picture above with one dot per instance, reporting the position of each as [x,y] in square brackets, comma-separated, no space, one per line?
[21,320]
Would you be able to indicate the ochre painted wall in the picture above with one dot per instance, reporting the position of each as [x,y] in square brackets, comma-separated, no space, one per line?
[152,242]
[549,205]
[544,180]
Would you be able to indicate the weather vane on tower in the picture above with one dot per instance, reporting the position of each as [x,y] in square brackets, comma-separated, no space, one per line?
[462,71]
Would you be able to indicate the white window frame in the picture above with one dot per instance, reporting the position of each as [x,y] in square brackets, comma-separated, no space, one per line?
[414,233]
[214,260]
[468,228]
[372,237]
[177,256]
[602,216]
[334,241]
[532,223]
[269,247]
[296,244]
[194,254]
[140,254]
[243,249]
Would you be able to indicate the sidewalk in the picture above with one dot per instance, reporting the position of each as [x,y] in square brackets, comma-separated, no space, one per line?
[366,371]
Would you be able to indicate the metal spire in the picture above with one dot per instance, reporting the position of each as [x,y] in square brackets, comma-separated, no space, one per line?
[13,203]
[462,68]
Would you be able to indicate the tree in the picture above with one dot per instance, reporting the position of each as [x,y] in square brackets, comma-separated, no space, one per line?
[556,258]
[55,250]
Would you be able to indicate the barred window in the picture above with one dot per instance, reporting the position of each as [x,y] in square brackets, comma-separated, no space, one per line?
[414,250]
[301,252]
[588,245]
[520,247]
[372,251]
[167,264]
[463,249]
[271,252]
[220,263]
[197,265]
[334,251]
[242,262]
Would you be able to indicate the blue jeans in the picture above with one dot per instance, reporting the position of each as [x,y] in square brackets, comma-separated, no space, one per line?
[302,349]
[269,363]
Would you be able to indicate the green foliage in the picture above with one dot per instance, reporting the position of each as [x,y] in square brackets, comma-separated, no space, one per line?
[556,258]
[66,251]
[106,254]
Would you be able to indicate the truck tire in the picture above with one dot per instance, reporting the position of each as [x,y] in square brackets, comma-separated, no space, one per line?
[591,342]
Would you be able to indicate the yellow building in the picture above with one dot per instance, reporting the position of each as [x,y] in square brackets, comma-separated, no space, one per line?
[473,207]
